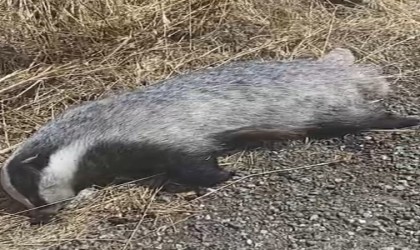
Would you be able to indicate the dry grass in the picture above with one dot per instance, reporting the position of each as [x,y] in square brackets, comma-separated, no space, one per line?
[66,52]
[116,205]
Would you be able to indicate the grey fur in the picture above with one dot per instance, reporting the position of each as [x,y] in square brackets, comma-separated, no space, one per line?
[185,113]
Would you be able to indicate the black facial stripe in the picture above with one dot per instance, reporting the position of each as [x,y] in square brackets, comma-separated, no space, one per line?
[25,177]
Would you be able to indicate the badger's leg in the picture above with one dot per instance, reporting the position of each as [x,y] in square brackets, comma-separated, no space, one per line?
[201,173]
[255,135]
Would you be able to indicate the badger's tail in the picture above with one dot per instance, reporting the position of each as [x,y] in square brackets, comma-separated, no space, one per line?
[372,83]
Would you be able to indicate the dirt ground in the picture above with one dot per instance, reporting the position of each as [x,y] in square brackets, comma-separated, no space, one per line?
[358,192]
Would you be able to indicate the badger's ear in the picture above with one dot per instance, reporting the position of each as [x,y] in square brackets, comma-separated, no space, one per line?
[339,56]
[29,160]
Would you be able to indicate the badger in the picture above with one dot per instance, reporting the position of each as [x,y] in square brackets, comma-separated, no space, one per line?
[179,126]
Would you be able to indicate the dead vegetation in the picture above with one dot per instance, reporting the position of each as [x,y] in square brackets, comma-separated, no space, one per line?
[54,54]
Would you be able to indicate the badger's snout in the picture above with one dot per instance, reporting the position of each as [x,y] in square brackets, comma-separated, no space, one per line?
[43,215]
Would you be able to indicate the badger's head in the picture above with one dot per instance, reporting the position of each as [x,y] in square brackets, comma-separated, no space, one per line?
[40,181]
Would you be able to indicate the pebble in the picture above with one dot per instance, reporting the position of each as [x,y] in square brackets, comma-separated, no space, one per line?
[388,248]
[311,243]
[350,221]
[299,215]
[376,224]
[367,215]
[341,215]
[403,182]
[361,221]
[314,217]
[234,225]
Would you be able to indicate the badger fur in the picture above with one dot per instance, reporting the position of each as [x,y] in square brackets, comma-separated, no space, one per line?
[179,126]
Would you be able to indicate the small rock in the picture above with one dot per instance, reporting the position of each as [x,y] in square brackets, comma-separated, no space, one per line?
[234,225]
[327,214]
[318,237]
[403,182]
[306,180]
[314,217]
[409,178]
[394,202]
[350,221]
[361,221]
[264,231]
[376,223]
[388,248]
[400,187]
[208,217]
[299,215]
[249,242]
[311,243]
[82,196]
[384,157]
[165,198]
[274,209]
[367,214]
[341,215]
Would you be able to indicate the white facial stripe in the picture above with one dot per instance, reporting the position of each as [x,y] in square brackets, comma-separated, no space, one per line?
[56,178]
[8,187]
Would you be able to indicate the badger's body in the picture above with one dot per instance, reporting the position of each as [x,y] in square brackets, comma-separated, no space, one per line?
[180,125]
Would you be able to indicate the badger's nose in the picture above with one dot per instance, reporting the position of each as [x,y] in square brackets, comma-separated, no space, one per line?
[40,218]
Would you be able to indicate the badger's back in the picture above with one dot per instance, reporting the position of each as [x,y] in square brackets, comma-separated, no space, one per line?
[185,111]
